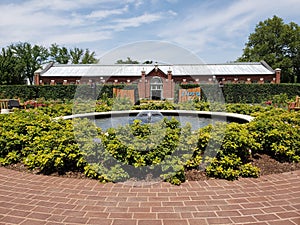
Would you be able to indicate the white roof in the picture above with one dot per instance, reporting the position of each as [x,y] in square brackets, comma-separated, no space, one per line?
[79,70]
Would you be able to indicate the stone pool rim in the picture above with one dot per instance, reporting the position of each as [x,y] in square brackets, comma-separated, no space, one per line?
[232,117]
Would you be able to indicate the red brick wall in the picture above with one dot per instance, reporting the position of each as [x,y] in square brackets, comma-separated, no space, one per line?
[168,79]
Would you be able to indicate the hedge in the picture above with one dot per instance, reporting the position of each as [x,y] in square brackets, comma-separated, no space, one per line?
[257,93]
[54,92]
[233,93]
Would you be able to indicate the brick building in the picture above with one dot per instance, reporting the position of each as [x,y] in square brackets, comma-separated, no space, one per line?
[157,81]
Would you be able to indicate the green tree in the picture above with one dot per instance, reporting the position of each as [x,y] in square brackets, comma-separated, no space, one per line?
[148,62]
[278,44]
[59,54]
[128,61]
[76,54]
[88,57]
[10,68]
[62,55]
[30,58]
[18,62]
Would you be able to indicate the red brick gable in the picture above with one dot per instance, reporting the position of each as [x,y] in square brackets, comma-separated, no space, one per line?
[156,72]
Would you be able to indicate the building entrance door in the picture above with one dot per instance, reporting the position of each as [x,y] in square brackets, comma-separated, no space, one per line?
[156,88]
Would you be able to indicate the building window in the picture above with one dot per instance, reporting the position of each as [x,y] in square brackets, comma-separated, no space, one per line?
[156,88]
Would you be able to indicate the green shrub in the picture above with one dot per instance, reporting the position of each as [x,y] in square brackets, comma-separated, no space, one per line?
[257,93]
[142,145]
[246,109]
[278,133]
[39,142]
[239,141]
[164,105]
[230,167]
[164,149]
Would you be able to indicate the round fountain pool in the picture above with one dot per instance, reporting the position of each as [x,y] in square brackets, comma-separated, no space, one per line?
[196,119]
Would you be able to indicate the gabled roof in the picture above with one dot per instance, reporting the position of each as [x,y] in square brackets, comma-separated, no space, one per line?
[79,70]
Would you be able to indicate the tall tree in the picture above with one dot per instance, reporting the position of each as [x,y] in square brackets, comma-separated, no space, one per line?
[30,58]
[89,57]
[76,55]
[59,54]
[276,43]
[62,55]
[10,68]
[18,62]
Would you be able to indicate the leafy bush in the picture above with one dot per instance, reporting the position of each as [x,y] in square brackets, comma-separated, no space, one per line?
[257,93]
[53,148]
[39,142]
[164,105]
[64,92]
[223,150]
[24,92]
[246,109]
[164,149]
[230,167]
[141,145]
[278,133]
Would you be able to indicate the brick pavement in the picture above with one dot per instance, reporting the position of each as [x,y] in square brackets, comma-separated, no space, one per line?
[36,199]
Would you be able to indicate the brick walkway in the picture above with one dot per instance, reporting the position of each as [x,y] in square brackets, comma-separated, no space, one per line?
[34,199]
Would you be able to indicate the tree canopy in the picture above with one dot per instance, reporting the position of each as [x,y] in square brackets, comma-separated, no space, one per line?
[10,68]
[127,61]
[130,61]
[19,61]
[278,44]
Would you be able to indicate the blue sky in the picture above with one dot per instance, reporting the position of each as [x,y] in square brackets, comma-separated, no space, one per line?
[214,31]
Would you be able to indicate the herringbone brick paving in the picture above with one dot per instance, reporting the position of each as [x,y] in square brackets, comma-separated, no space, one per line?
[36,199]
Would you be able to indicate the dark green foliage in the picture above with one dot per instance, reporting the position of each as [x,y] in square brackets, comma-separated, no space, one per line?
[276,43]
[56,91]
[11,69]
[63,92]
[24,92]
[233,93]
[19,61]
[258,93]
[127,61]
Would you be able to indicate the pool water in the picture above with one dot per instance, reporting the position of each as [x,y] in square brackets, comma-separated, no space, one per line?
[116,121]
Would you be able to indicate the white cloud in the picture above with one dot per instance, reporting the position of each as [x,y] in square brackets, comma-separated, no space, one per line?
[38,20]
[154,2]
[121,24]
[101,14]
[76,37]
[172,13]
[223,27]
[157,51]
[203,26]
